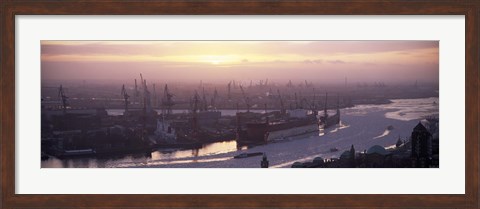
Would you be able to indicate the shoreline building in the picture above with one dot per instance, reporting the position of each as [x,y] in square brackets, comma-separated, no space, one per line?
[425,146]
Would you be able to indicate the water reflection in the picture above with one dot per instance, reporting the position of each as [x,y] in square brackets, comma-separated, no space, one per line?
[209,149]
[165,155]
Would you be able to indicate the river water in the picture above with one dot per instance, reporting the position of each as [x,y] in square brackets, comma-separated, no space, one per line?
[169,155]
[363,126]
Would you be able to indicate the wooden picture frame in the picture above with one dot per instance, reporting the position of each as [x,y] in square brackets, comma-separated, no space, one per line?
[9,9]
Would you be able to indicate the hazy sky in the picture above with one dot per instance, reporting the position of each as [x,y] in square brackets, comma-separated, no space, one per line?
[318,61]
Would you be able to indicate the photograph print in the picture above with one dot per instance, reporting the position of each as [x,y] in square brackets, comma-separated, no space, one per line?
[240,104]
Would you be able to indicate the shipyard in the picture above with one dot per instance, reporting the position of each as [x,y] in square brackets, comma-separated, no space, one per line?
[156,119]
[150,122]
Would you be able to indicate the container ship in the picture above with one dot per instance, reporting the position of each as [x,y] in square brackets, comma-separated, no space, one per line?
[269,131]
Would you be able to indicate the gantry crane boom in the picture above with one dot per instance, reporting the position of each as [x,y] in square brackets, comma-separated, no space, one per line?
[64,98]
[282,107]
[125,97]
[247,100]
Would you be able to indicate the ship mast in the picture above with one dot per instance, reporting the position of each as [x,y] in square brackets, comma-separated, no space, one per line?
[64,98]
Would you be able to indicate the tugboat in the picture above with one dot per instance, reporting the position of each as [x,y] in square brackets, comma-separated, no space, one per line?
[334,149]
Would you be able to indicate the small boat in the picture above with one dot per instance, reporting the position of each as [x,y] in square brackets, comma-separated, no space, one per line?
[245,155]
[334,149]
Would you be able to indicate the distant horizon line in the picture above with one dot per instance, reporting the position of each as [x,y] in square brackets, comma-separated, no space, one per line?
[243,81]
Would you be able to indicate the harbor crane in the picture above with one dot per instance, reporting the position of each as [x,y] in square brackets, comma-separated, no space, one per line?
[143,88]
[247,99]
[136,94]
[155,103]
[290,84]
[283,111]
[147,98]
[303,103]
[204,100]
[313,105]
[307,84]
[141,78]
[296,101]
[64,98]
[167,102]
[125,97]
[229,89]
[196,101]
[214,98]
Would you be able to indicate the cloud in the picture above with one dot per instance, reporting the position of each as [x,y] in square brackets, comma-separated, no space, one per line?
[314,61]
[369,63]
[272,48]
[248,58]
[337,62]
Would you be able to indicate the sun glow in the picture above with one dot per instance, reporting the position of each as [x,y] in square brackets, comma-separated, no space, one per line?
[243,59]
[215,62]
[219,59]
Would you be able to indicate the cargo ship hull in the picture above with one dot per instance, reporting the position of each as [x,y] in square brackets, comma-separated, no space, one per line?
[261,133]
[296,131]
[329,121]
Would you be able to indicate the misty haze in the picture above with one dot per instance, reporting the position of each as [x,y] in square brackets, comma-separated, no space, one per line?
[240,104]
